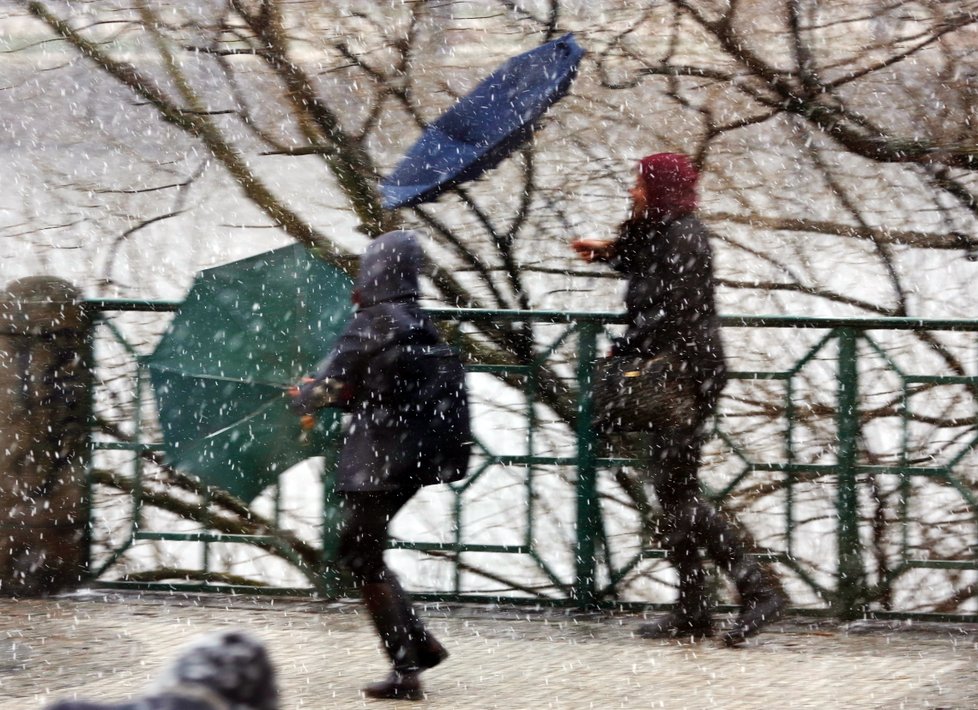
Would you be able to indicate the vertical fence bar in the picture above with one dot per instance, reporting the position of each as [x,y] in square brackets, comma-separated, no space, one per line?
[587,501]
[88,539]
[137,462]
[849,591]
[906,488]
[330,582]
[789,451]
[205,554]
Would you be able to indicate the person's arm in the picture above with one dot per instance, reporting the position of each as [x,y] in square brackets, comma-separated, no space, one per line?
[591,250]
[634,249]
[627,253]
[338,376]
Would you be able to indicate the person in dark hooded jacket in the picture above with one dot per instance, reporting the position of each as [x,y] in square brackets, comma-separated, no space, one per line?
[409,427]
[664,252]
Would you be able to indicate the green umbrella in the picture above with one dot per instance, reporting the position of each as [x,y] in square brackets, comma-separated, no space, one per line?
[246,331]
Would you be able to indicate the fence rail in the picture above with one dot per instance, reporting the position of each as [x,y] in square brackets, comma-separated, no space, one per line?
[846,446]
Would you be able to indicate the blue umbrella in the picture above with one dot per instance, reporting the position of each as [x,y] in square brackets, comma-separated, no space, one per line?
[485,126]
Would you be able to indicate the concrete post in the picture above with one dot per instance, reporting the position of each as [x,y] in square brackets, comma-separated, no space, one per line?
[45,403]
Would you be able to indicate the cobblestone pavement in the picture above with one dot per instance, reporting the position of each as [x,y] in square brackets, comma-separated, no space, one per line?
[111,646]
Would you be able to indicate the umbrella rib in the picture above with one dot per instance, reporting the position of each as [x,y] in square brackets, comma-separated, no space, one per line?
[243,419]
[221,378]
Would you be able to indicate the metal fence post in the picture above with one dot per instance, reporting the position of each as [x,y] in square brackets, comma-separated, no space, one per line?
[330,579]
[849,591]
[587,500]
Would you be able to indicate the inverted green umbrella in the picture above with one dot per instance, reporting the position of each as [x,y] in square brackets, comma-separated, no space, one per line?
[246,331]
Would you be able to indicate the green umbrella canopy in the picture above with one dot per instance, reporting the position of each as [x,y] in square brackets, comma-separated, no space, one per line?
[245,332]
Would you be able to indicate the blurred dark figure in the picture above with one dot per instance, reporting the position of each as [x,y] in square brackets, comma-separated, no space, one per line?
[664,252]
[229,670]
[409,428]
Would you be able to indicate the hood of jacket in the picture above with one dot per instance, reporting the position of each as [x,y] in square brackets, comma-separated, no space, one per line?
[389,269]
[230,666]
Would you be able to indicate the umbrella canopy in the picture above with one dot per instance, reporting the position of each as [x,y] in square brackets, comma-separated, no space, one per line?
[245,332]
[484,126]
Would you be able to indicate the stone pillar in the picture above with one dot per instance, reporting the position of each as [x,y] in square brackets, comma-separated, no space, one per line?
[45,403]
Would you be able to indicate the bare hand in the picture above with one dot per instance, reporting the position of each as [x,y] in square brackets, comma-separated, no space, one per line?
[593,249]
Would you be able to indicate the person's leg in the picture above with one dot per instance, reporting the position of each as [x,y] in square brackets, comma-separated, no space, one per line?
[430,651]
[362,544]
[762,599]
[672,474]
[697,524]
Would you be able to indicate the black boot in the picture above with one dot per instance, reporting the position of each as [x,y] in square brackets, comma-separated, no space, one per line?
[761,601]
[677,625]
[691,618]
[761,598]
[387,610]
[397,686]
[430,651]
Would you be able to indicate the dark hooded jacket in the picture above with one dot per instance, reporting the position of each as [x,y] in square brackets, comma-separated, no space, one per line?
[405,387]
[227,670]
[670,298]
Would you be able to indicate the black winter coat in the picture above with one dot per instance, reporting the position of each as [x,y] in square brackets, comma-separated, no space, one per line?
[163,701]
[670,298]
[410,419]
[227,669]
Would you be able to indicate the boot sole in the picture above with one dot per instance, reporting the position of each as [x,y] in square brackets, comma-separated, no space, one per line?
[394,695]
[651,632]
[740,633]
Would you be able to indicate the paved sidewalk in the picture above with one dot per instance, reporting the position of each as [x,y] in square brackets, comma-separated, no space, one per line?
[111,646]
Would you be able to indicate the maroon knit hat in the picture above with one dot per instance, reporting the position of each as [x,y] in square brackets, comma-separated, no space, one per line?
[669,180]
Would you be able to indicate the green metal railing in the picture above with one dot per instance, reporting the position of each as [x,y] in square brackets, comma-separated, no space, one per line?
[821,423]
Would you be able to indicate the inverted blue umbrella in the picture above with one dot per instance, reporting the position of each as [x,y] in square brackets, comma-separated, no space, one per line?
[484,126]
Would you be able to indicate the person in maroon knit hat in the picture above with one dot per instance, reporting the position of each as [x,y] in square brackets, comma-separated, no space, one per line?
[664,252]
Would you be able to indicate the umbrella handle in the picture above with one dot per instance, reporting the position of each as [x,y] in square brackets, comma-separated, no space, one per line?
[293,390]
[307,422]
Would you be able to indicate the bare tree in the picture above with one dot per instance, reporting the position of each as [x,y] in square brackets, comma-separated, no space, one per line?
[836,139]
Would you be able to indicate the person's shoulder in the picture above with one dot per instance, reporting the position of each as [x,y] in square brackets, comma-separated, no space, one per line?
[690,227]
[384,311]
[687,222]
[397,309]
[389,320]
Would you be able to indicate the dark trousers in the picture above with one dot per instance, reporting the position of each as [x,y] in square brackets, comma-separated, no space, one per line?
[690,522]
[361,550]
[364,535]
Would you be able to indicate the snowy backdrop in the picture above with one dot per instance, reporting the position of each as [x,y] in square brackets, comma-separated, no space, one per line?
[145,141]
